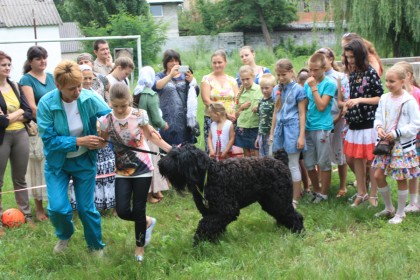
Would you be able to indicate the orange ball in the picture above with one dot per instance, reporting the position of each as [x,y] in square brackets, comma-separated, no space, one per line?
[12,218]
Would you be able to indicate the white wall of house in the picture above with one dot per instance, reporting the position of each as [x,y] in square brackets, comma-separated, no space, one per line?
[18,51]
[170,16]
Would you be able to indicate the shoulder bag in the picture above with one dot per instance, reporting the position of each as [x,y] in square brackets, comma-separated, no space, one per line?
[384,147]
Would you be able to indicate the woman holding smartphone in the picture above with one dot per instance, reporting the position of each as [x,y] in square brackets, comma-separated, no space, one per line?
[172,85]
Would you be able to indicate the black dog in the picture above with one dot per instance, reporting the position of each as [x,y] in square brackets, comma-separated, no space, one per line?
[221,188]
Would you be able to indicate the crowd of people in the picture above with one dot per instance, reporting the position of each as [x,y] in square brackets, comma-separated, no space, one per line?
[91,127]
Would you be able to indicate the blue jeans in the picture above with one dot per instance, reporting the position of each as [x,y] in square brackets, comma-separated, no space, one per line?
[83,172]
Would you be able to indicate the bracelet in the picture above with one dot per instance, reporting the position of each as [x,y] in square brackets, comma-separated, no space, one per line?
[314,89]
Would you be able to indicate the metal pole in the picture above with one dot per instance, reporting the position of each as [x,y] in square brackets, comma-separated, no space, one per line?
[33,16]
[139,53]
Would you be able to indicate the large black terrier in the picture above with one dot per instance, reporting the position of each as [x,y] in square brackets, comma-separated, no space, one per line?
[221,188]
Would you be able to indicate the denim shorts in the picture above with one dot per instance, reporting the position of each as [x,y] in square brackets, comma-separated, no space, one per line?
[245,137]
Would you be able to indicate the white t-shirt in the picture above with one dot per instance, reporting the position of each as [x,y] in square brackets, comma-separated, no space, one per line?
[75,124]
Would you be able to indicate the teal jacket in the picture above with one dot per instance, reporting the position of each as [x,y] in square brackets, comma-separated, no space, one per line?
[54,130]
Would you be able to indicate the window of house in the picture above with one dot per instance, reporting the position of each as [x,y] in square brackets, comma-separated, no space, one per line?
[156,10]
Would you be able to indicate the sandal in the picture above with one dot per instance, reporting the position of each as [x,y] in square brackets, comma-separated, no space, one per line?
[158,195]
[152,199]
[360,199]
[295,203]
[341,193]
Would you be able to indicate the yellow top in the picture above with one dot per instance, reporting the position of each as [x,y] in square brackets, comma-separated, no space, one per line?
[13,104]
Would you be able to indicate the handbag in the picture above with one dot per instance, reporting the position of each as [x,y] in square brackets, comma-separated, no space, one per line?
[384,147]
[31,128]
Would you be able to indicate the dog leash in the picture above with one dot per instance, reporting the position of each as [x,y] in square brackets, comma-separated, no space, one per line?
[205,201]
[121,145]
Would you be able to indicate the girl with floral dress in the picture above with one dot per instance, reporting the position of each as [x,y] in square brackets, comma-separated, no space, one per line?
[397,119]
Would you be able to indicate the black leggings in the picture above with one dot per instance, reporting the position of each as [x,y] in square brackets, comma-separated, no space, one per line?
[136,189]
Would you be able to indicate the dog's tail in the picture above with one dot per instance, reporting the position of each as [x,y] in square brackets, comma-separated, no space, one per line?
[281,155]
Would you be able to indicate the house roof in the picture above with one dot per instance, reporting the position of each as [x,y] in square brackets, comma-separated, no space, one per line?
[70,30]
[19,13]
[164,1]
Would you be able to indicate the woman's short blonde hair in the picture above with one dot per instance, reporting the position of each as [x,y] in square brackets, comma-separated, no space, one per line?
[67,72]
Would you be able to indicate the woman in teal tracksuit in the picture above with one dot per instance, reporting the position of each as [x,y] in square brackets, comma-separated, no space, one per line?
[67,118]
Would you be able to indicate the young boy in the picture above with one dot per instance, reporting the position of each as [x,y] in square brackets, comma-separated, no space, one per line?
[319,90]
[265,111]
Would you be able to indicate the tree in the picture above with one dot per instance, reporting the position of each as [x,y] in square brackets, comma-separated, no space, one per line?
[153,34]
[62,10]
[258,14]
[85,11]
[393,25]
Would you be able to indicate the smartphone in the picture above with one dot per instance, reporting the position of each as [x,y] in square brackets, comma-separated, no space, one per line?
[183,68]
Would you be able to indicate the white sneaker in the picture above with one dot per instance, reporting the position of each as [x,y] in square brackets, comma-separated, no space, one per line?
[397,219]
[61,246]
[98,253]
[149,231]
[411,208]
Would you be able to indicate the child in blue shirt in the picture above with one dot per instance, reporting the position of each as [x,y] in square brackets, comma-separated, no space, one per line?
[320,91]
[288,127]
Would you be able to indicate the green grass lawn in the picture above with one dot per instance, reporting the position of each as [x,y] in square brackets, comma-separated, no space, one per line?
[339,242]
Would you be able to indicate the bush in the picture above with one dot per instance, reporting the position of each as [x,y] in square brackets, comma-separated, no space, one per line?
[290,48]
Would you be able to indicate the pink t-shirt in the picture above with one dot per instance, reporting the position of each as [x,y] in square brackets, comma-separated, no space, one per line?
[128,131]
[416,94]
